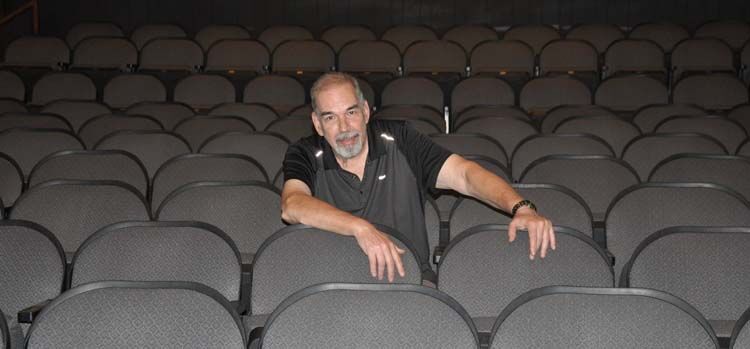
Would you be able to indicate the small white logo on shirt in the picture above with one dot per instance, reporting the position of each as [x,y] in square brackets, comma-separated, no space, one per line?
[381,177]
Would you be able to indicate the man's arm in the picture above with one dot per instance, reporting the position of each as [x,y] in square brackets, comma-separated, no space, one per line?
[469,178]
[299,206]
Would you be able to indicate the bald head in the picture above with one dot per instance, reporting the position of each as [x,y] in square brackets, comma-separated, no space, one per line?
[334,79]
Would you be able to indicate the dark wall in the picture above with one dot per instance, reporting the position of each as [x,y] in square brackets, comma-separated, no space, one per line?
[59,15]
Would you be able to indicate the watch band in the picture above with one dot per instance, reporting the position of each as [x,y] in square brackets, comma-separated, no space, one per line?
[520,204]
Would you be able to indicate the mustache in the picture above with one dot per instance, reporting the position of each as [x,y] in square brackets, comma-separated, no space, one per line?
[347,135]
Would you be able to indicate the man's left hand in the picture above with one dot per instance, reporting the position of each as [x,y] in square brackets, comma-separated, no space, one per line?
[541,234]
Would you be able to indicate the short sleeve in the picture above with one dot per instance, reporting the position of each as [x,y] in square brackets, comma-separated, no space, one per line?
[299,163]
[425,157]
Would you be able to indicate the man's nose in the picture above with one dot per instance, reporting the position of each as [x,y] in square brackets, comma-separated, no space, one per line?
[343,124]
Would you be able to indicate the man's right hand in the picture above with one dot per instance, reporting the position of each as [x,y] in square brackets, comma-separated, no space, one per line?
[382,253]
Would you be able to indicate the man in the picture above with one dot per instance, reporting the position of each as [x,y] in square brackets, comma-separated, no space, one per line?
[357,171]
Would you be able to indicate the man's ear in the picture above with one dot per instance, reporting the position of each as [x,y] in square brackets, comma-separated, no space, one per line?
[316,123]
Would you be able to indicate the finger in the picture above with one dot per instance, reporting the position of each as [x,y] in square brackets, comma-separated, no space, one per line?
[399,250]
[381,263]
[512,231]
[373,263]
[397,259]
[544,232]
[389,263]
[532,242]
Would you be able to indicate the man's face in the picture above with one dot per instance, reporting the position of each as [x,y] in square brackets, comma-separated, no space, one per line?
[341,120]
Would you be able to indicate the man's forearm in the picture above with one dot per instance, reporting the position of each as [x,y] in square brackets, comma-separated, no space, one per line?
[489,188]
[306,209]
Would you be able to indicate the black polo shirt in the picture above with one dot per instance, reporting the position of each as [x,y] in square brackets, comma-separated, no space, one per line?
[402,164]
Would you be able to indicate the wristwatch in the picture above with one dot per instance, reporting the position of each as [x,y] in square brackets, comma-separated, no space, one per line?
[520,204]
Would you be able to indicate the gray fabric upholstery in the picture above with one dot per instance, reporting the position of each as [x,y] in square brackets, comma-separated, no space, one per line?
[367,316]
[647,118]
[306,56]
[292,128]
[145,33]
[28,146]
[665,34]
[33,120]
[274,35]
[741,113]
[538,146]
[191,168]
[125,90]
[203,91]
[11,180]
[727,170]
[645,152]
[470,35]
[340,35]
[83,30]
[412,90]
[647,208]
[32,269]
[291,260]
[717,91]
[481,91]
[508,131]
[484,272]
[247,56]
[56,86]
[256,114]
[435,56]
[706,267]
[76,112]
[489,110]
[11,105]
[615,131]
[568,55]
[11,86]
[503,57]
[182,251]
[73,210]
[744,149]
[37,51]
[432,225]
[268,149]
[700,55]
[560,205]
[169,114]
[598,35]
[210,34]
[534,35]
[199,128]
[105,53]
[630,93]
[557,115]
[598,179]
[282,93]
[171,54]
[370,57]
[100,126]
[424,118]
[153,148]
[404,35]
[726,131]
[634,55]
[741,335]
[540,95]
[92,165]
[734,33]
[472,144]
[602,318]
[138,316]
[247,211]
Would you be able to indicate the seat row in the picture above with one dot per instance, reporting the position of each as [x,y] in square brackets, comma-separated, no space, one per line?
[485,287]
[624,95]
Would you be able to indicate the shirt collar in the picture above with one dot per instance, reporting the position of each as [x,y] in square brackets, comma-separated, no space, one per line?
[375,146]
